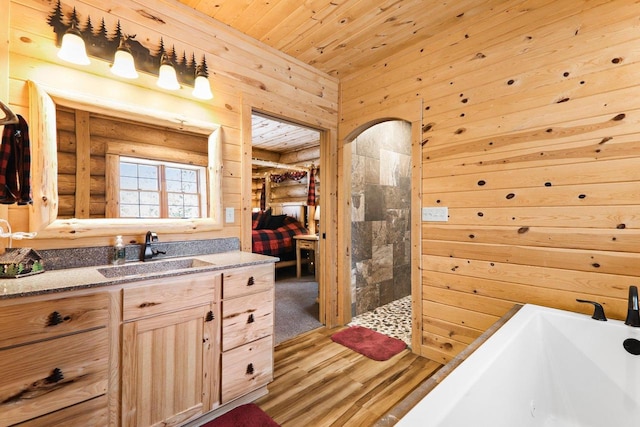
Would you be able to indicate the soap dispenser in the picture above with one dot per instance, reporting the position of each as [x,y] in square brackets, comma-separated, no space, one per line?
[119,255]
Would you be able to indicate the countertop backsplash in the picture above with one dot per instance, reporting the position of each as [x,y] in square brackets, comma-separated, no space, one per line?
[60,259]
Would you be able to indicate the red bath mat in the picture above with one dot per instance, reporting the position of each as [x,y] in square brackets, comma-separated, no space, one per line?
[369,343]
[249,415]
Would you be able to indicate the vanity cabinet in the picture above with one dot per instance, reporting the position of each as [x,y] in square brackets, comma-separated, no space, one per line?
[247,330]
[54,356]
[170,346]
[151,352]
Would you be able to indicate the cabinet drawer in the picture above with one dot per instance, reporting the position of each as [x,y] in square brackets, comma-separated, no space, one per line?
[247,368]
[34,321]
[242,281]
[47,376]
[92,413]
[246,319]
[164,295]
[306,244]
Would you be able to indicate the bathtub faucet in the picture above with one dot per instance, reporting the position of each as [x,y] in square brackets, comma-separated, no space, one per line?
[633,313]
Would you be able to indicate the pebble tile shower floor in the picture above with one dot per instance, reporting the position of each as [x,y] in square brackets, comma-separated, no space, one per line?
[393,319]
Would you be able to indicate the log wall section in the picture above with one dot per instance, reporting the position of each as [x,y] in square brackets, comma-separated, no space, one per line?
[242,72]
[286,192]
[102,132]
[530,137]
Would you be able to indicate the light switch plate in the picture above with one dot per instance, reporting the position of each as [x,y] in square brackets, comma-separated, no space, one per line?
[229,215]
[438,213]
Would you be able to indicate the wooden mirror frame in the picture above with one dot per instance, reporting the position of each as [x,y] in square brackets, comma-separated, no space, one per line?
[43,213]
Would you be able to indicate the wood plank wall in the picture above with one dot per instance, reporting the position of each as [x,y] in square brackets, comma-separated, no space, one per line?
[242,72]
[531,139]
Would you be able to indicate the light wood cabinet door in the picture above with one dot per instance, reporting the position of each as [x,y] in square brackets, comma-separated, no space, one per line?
[31,321]
[158,296]
[246,280]
[92,413]
[169,374]
[247,368]
[46,376]
[246,319]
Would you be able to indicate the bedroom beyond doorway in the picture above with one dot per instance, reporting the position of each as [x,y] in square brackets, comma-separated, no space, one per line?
[286,188]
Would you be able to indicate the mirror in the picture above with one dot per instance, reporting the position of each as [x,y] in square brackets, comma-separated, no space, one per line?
[43,215]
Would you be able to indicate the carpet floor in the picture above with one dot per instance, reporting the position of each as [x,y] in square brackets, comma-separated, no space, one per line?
[297,310]
[296,306]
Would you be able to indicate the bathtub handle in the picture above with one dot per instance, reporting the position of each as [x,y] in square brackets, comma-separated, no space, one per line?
[598,311]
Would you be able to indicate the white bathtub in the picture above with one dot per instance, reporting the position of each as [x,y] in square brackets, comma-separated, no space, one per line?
[543,367]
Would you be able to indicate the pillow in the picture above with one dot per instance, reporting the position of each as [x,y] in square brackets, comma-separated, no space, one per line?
[256,217]
[263,221]
[275,221]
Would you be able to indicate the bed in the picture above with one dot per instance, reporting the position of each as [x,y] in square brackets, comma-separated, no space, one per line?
[273,235]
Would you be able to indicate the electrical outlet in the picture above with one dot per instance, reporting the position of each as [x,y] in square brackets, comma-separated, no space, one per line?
[439,214]
[229,215]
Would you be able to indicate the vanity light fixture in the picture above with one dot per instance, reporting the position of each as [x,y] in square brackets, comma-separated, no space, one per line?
[128,56]
[72,48]
[123,64]
[167,78]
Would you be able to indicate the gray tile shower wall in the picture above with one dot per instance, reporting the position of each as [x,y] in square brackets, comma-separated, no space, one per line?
[380,216]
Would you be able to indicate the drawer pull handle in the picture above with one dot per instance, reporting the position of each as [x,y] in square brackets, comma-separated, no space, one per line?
[55,376]
[251,281]
[54,319]
[210,316]
[250,369]
[250,319]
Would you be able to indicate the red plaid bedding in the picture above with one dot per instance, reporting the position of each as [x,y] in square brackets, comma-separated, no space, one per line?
[279,241]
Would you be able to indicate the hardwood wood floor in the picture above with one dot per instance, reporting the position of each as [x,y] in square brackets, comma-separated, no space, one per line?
[320,383]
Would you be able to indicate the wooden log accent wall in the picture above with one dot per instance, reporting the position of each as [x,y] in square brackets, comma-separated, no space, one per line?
[287,191]
[118,135]
[530,139]
[243,72]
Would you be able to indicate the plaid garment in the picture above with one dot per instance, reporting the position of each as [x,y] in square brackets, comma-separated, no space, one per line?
[311,193]
[278,241]
[15,164]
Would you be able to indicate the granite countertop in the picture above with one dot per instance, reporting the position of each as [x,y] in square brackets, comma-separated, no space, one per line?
[89,277]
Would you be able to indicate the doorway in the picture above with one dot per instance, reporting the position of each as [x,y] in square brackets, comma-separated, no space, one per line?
[381,225]
[286,189]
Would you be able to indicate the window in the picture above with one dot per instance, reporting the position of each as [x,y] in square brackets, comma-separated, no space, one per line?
[154,189]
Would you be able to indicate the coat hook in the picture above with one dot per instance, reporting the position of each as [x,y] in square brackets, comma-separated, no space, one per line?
[10,118]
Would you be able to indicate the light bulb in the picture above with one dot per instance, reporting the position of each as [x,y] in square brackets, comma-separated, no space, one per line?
[202,89]
[123,64]
[72,48]
[167,78]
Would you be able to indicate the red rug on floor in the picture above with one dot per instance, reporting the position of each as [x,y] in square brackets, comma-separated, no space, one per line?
[369,343]
[249,415]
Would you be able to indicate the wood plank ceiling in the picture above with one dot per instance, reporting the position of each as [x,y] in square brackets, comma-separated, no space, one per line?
[281,137]
[338,37]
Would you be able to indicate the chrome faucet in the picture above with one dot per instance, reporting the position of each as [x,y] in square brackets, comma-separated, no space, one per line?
[633,313]
[149,252]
